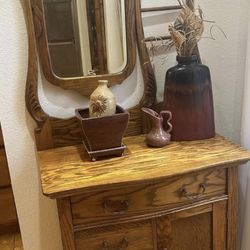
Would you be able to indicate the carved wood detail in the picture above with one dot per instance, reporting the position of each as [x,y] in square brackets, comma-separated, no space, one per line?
[54,132]
[31,95]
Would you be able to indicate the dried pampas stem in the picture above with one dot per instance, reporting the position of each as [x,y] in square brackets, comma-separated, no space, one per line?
[185,32]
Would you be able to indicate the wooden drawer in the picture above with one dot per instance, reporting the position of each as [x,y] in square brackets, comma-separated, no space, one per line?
[4,170]
[134,236]
[99,207]
[8,216]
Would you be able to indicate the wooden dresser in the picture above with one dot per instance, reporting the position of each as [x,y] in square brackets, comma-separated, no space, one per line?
[180,197]
[8,216]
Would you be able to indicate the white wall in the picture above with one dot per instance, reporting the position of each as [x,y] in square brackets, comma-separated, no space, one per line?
[37,214]
[225,58]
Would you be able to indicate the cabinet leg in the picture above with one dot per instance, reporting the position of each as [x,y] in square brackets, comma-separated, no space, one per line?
[232,208]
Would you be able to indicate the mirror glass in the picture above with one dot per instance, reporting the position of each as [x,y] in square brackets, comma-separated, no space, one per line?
[86,37]
[155,25]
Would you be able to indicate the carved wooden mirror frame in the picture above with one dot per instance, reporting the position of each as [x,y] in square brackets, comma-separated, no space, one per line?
[54,132]
[86,84]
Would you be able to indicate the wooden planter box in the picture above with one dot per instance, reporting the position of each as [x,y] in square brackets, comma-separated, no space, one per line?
[102,136]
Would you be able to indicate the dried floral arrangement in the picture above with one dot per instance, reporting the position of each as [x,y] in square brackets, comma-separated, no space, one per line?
[185,32]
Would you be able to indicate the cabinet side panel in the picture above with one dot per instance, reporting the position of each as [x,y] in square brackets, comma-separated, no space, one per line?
[232,207]
[65,217]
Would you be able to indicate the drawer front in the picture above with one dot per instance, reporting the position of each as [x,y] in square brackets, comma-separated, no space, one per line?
[133,236]
[8,216]
[4,170]
[100,207]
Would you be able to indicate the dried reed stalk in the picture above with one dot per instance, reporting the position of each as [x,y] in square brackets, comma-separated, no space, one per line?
[187,31]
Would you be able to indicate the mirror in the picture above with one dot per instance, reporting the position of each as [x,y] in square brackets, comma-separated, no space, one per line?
[85,37]
[57,132]
[156,16]
[74,54]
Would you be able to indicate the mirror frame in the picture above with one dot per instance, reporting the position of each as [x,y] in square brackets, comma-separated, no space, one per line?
[52,132]
[86,84]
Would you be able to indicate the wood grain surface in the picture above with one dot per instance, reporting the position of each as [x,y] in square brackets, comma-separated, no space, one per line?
[4,169]
[232,212]
[65,218]
[8,216]
[194,232]
[164,230]
[1,137]
[11,242]
[133,236]
[68,171]
[181,230]
[98,207]
[220,225]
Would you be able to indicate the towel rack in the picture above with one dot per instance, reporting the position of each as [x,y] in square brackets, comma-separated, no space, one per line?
[163,8]
[190,3]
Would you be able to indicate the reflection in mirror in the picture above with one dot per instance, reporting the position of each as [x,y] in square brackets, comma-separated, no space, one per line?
[156,17]
[86,37]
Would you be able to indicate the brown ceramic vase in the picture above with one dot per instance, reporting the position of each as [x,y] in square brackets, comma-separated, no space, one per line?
[188,95]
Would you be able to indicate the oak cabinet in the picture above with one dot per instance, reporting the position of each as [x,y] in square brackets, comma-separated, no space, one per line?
[4,169]
[181,213]
[8,215]
[180,197]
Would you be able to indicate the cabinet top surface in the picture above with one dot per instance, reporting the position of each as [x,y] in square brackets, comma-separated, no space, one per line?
[67,171]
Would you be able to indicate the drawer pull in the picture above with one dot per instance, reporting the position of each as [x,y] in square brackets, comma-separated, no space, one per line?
[115,207]
[193,196]
[123,245]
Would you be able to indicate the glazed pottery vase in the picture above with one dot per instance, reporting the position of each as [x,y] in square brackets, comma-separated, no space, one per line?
[158,137]
[188,94]
[102,101]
